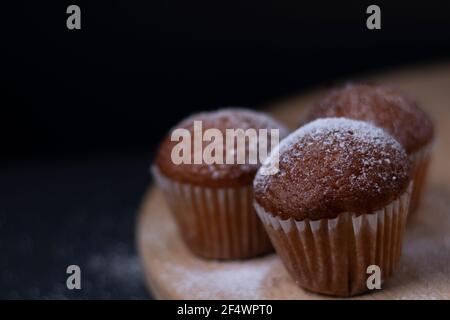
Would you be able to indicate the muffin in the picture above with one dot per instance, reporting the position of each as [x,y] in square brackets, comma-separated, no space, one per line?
[212,201]
[391,110]
[337,204]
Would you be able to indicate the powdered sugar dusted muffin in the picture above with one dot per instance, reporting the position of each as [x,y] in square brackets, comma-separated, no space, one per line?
[391,110]
[337,205]
[212,201]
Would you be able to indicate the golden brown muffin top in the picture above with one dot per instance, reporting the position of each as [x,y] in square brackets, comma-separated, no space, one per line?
[331,166]
[385,107]
[217,175]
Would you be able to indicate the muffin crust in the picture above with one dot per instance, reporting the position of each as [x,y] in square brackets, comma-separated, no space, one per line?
[383,106]
[331,166]
[216,175]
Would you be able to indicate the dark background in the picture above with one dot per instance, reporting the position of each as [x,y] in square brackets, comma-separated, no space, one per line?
[82,111]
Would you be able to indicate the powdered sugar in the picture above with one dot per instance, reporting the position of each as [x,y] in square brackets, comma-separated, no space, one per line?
[236,280]
[333,133]
[232,117]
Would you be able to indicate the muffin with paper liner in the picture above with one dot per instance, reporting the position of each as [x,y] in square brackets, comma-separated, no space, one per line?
[212,201]
[337,205]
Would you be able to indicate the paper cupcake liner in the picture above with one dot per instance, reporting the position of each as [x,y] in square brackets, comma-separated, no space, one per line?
[331,256]
[419,163]
[216,223]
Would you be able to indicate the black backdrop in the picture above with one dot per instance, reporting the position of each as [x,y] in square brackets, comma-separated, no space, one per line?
[136,68]
[82,111]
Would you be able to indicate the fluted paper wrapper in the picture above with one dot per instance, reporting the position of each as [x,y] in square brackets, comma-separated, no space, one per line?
[331,256]
[419,168]
[216,223]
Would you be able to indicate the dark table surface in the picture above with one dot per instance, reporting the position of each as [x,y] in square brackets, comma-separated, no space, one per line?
[72,210]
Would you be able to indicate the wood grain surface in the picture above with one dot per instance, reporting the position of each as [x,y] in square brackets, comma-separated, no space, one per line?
[172,272]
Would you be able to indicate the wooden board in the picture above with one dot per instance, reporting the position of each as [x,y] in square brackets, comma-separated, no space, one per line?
[173,272]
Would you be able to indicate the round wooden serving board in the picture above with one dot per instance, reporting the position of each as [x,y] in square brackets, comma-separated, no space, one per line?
[173,272]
